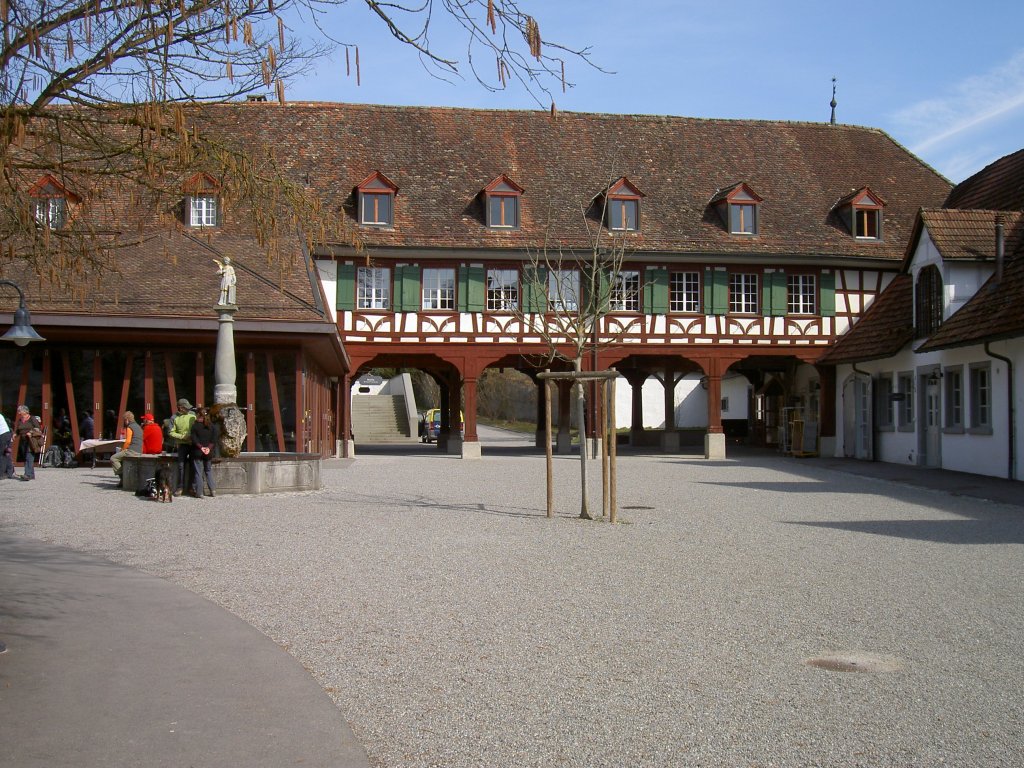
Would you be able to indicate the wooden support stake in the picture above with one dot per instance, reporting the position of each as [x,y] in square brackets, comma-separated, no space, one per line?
[547,447]
[613,514]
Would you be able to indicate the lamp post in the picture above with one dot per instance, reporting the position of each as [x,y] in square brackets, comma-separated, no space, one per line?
[21,331]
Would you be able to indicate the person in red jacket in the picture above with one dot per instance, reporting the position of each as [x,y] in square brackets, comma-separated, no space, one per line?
[152,435]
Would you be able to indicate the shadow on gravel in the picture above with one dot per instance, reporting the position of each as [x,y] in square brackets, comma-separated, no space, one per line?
[996,529]
[395,503]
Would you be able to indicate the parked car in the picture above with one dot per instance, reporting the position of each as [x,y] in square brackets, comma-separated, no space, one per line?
[430,425]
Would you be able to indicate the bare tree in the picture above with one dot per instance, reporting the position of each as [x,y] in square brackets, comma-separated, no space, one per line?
[92,93]
[568,293]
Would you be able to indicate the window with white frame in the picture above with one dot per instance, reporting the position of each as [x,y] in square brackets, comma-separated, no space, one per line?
[502,290]
[905,405]
[981,397]
[953,379]
[625,292]
[563,290]
[742,292]
[802,293]
[373,288]
[885,407]
[51,212]
[203,211]
[439,288]
[375,208]
[684,292]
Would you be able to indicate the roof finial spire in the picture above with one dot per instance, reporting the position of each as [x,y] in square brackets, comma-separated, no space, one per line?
[833,102]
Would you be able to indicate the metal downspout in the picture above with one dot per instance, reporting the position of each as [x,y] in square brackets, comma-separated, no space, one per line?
[1011,453]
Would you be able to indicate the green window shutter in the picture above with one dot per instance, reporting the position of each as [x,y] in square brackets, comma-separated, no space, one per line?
[474,292]
[535,289]
[656,291]
[774,298]
[827,294]
[396,290]
[462,289]
[716,291]
[412,298]
[780,293]
[345,296]
[604,292]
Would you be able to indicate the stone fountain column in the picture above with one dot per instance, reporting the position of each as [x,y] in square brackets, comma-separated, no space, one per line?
[225,394]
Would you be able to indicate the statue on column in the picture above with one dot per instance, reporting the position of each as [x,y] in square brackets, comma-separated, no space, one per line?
[227,282]
[225,410]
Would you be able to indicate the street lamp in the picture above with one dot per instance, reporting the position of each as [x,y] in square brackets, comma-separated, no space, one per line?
[21,332]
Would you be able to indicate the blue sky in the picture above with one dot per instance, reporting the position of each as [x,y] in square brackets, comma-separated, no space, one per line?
[943,78]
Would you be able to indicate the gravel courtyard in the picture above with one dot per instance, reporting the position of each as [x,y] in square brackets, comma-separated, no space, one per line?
[454,625]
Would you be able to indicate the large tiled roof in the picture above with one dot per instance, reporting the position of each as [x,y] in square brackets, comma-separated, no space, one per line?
[998,186]
[441,160]
[969,234]
[170,273]
[883,330]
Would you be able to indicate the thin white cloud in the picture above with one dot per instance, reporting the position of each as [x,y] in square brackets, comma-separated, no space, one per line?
[968,105]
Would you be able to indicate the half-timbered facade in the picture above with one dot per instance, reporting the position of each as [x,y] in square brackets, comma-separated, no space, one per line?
[747,247]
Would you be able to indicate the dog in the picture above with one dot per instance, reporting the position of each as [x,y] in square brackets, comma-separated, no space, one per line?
[165,485]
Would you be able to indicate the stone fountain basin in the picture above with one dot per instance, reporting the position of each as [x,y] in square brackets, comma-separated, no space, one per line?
[251,473]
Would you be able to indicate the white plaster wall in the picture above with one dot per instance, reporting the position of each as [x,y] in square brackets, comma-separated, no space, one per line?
[691,402]
[983,454]
[980,454]
[960,280]
[327,269]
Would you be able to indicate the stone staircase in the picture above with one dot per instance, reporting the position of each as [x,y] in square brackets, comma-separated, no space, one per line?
[381,419]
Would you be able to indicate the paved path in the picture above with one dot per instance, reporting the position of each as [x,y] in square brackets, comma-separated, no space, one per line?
[454,625]
[108,667]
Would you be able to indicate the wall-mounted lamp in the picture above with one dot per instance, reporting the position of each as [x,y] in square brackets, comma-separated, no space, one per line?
[21,332]
[935,376]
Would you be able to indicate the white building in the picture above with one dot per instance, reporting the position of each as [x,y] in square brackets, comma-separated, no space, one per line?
[933,375]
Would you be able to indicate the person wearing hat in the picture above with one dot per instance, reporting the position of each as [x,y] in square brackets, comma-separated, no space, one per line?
[181,432]
[152,435]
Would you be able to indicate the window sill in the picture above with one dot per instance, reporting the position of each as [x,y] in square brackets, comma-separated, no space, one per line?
[954,430]
[979,431]
[906,428]
[885,428]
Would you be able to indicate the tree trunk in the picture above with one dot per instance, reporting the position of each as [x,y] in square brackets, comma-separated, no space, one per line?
[581,413]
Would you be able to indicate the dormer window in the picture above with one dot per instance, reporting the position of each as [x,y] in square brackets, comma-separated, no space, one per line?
[502,200]
[622,205]
[202,201]
[377,200]
[867,223]
[738,207]
[862,213]
[203,211]
[51,212]
[50,202]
